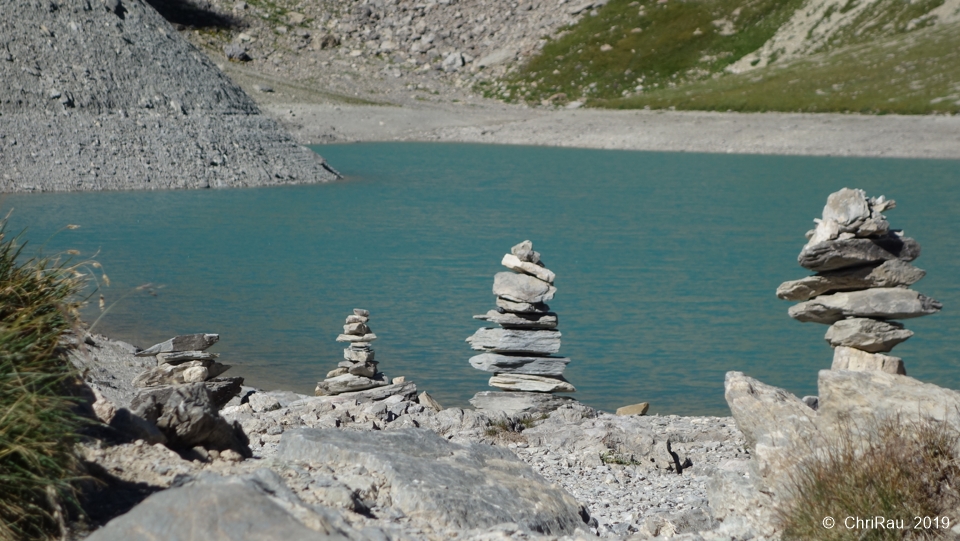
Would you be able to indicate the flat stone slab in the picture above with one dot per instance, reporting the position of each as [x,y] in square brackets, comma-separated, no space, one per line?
[515,341]
[519,364]
[513,403]
[180,357]
[537,384]
[432,479]
[407,390]
[522,307]
[347,383]
[890,273]
[510,320]
[178,374]
[222,390]
[866,334]
[356,338]
[634,409]
[845,358]
[227,509]
[513,263]
[358,355]
[880,303]
[842,253]
[186,342]
[522,288]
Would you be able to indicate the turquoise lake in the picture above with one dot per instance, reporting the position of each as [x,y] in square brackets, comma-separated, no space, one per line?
[666,264]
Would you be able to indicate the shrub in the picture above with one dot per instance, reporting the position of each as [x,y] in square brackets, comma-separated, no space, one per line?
[905,470]
[37,427]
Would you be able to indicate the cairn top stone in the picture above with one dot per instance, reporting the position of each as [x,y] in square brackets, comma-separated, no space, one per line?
[850,213]
[186,342]
[514,263]
[361,312]
[524,252]
[522,288]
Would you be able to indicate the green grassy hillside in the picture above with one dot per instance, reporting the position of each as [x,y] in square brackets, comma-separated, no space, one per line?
[885,56]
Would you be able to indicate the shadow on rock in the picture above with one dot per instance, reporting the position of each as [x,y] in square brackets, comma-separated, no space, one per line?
[103,497]
[194,14]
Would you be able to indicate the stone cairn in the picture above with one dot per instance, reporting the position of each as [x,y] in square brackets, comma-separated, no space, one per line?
[180,360]
[860,285]
[519,352]
[358,370]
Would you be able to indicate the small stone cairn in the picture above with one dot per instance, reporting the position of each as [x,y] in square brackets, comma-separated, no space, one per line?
[358,370]
[519,352]
[861,282]
[180,360]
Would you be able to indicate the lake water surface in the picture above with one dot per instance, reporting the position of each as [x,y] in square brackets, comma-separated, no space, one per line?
[666,264]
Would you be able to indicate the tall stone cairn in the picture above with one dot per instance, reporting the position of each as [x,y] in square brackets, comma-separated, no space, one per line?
[519,352]
[358,370]
[861,282]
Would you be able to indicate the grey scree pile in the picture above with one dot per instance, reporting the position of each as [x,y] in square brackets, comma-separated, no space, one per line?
[519,353]
[861,282]
[358,370]
[107,96]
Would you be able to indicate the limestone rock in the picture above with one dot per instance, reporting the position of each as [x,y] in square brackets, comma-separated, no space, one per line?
[874,395]
[361,312]
[407,390]
[358,355]
[509,320]
[515,341]
[358,329]
[188,418]
[522,288]
[881,303]
[428,401]
[187,372]
[253,508]
[522,307]
[842,253]
[512,262]
[186,342]
[846,358]
[450,485]
[867,334]
[366,369]
[772,420]
[847,207]
[366,338]
[221,390]
[514,403]
[347,383]
[180,357]
[524,252]
[524,382]
[635,409]
[510,364]
[339,371]
[261,402]
[890,273]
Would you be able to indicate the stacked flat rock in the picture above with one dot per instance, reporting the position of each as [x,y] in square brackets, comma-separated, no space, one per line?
[520,352]
[861,282]
[358,370]
[180,360]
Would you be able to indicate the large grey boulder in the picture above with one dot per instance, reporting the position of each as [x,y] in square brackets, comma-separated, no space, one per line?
[842,253]
[432,479]
[515,403]
[188,418]
[221,390]
[881,303]
[890,273]
[256,507]
[184,343]
[866,334]
[515,341]
[522,288]
[845,358]
[512,364]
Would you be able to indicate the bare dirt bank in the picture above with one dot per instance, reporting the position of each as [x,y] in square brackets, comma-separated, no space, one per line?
[682,131]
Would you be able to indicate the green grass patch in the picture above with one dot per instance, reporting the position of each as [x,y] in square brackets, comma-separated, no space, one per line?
[37,427]
[917,73]
[907,470]
[651,44]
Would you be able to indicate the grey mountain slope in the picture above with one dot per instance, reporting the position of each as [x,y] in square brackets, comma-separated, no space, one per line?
[101,95]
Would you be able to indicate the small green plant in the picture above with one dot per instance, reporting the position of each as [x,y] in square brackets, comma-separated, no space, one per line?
[905,471]
[37,427]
